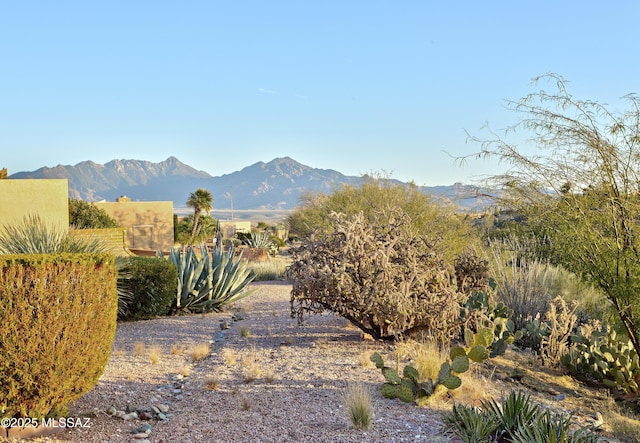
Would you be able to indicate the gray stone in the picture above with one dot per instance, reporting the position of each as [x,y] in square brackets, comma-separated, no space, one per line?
[130,416]
[163,407]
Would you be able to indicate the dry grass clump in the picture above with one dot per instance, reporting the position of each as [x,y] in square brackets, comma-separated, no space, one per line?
[359,406]
[229,356]
[177,349]
[199,351]
[364,359]
[245,332]
[155,354]
[251,366]
[138,348]
[185,371]
[426,356]
[212,383]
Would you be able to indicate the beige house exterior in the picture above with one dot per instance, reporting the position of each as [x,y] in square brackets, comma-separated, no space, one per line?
[47,198]
[149,225]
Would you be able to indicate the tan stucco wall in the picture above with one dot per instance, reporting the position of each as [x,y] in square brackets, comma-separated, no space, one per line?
[48,198]
[114,238]
[149,224]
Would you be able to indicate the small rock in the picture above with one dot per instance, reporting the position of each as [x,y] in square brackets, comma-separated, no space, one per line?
[219,337]
[179,376]
[598,420]
[120,414]
[160,416]
[163,407]
[144,415]
[144,429]
[111,410]
[130,416]
[225,324]
[559,397]
[140,436]
[155,409]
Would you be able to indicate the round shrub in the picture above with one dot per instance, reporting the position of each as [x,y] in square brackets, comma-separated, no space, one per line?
[151,283]
[58,315]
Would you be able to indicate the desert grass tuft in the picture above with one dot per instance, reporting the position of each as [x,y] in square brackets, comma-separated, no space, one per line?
[212,383]
[229,356]
[359,406]
[244,332]
[199,351]
[138,348]
[118,352]
[364,359]
[177,349]
[185,371]
[251,366]
[245,404]
[623,423]
[269,376]
[155,354]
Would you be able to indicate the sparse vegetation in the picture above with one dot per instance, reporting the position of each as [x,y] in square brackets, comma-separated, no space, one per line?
[359,406]
[155,354]
[199,351]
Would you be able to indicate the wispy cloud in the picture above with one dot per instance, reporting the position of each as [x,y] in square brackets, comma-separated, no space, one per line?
[267,91]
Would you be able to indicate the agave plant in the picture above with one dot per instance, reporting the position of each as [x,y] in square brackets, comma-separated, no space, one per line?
[259,240]
[209,281]
[33,235]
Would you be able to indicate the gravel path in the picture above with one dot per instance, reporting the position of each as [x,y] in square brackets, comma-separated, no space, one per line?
[267,379]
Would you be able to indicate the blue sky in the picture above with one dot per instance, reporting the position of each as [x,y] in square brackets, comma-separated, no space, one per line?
[355,86]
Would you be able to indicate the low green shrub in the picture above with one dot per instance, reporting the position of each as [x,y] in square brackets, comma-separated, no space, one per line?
[58,316]
[151,283]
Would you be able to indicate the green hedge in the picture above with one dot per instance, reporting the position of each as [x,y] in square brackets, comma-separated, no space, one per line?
[57,325]
[152,283]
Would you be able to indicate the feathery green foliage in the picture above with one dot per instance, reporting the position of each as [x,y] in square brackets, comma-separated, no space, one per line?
[580,191]
[373,198]
[84,215]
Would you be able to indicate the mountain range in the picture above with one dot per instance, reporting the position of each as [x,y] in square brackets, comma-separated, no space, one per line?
[278,184]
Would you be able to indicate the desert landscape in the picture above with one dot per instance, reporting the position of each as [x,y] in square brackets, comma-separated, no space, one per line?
[252,374]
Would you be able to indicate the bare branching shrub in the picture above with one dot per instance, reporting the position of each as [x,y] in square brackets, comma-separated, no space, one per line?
[384,279]
[561,318]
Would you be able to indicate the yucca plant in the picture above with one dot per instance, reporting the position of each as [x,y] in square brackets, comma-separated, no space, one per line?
[209,281]
[517,419]
[547,427]
[470,424]
[515,411]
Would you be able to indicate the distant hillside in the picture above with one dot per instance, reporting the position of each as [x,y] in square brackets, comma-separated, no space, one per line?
[274,185]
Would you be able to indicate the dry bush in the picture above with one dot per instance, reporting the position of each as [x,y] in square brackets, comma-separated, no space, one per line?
[384,279]
[155,354]
[229,356]
[139,348]
[177,349]
[561,318]
[199,351]
[212,383]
